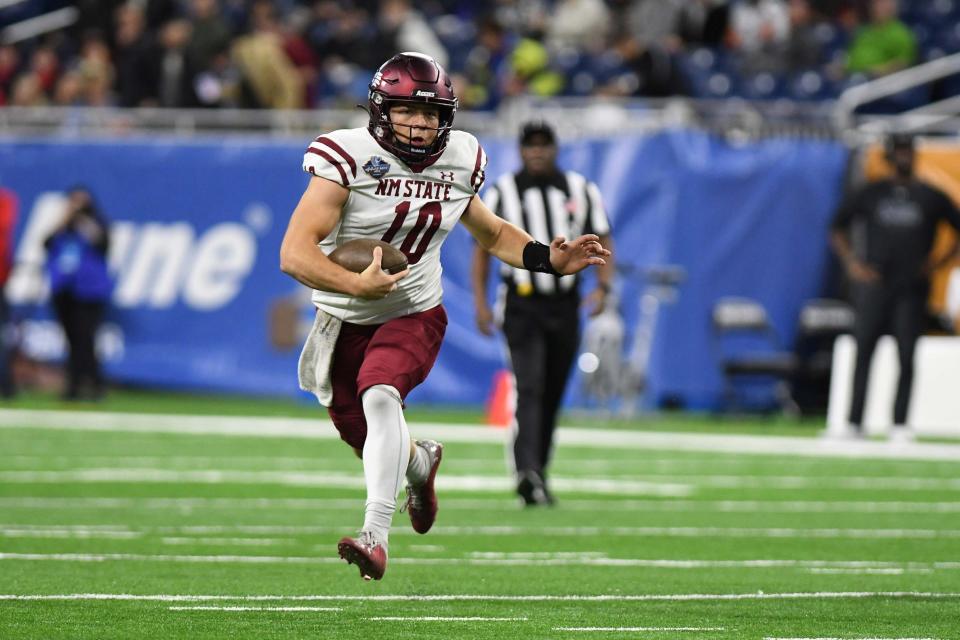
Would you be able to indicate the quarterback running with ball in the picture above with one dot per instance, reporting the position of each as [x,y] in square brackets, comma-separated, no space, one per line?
[406,179]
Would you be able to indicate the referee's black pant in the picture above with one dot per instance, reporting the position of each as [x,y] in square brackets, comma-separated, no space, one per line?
[879,307]
[543,335]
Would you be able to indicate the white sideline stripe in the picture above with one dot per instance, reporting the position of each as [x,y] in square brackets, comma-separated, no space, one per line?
[469,597]
[667,485]
[80,531]
[273,427]
[254,609]
[572,504]
[54,532]
[671,485]
[866,572]
[493,562]
[639,628]
[236,542]
[772,638]
[444,619]
[498,484]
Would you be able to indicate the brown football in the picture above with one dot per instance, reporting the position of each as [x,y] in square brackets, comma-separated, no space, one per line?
[356,255]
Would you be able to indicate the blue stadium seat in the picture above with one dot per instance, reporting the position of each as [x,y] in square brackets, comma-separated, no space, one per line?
[948,38]
[708,73]
[809,85]
[720,84]
[763,86]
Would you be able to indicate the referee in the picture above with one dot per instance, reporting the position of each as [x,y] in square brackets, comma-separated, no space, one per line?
[541,311]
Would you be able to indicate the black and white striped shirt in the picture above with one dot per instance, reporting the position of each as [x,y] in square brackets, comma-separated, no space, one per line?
[563,204]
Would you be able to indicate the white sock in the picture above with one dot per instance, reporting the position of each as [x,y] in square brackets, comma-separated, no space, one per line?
[419,466]
[385,456]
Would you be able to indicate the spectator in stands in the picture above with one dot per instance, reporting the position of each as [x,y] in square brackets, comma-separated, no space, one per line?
[654,23]
[136,59]
[884,45]
[579,24]
[9,67]
[803,49]
[27,92]
[274,80]
[220,85]
[97,72]
[69,90]
[758,31]
[410,31]
[530,70]
[522,18]
[209,35]
[80,286]
[176,71]
[45,66]
[646,71]
[884,233]
[293,31]
[704,22]
[486,67]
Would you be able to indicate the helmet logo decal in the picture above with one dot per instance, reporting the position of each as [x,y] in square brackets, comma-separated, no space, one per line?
[376,167]
[425,94]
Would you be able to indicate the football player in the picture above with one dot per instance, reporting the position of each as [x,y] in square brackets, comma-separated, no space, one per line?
[407,179]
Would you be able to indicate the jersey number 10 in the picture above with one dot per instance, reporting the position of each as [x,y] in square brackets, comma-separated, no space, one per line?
[429,217]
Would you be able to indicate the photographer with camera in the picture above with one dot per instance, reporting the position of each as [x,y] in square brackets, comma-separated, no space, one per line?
[80,288]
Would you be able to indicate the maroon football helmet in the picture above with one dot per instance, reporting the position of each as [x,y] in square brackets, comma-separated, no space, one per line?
[413,78]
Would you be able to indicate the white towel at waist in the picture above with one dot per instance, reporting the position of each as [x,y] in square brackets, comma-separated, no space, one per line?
[313,370]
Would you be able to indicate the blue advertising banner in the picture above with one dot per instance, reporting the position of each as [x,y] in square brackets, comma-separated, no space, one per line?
[199,301]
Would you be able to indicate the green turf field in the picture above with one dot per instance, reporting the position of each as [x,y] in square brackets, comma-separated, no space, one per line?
[158,534]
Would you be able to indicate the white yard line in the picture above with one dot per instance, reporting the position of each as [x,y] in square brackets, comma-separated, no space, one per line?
[637,629]
[284,609]
[444,619]
[73,533]
[272,427]
[234,542]
[511,561]
[898,571]
[473,504]
[486,484]
[468,597]
[80,531]
[672,485]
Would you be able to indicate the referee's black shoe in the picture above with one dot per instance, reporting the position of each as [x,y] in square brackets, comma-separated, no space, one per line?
[533,490]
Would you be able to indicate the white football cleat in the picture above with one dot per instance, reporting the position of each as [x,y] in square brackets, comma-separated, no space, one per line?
[845,433]
[902,434]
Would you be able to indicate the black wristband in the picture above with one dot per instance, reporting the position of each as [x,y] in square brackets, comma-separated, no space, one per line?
[536,257]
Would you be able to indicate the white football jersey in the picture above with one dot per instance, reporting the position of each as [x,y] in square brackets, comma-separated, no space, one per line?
[413,211]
